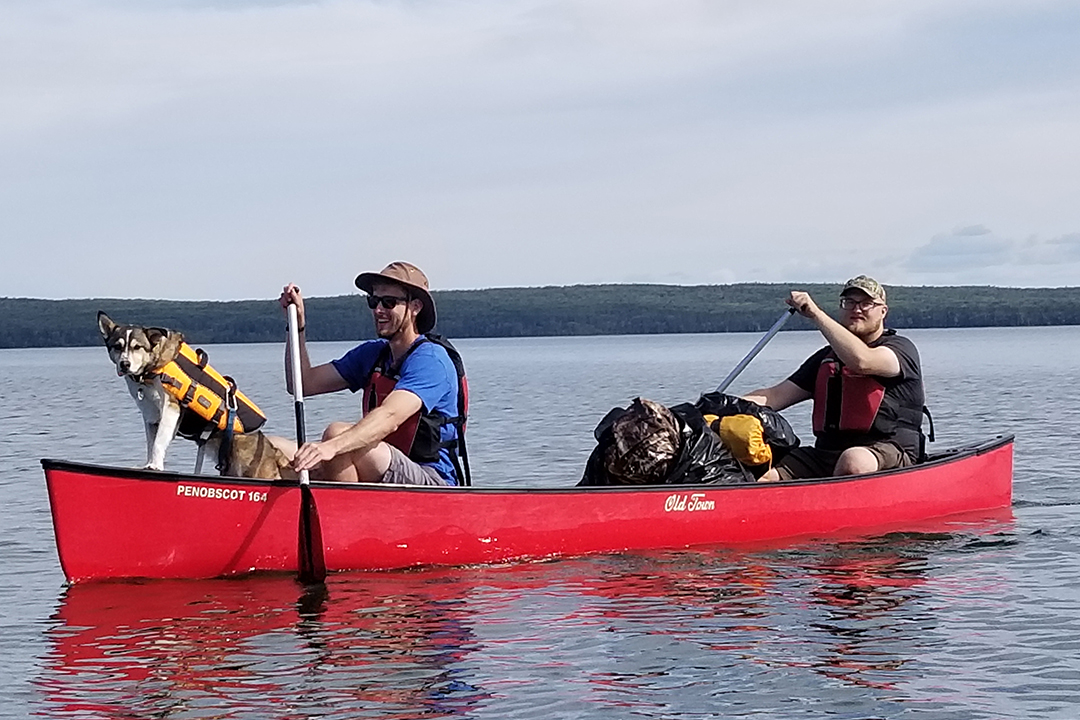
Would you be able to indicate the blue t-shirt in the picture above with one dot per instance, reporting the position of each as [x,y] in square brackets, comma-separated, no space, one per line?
[428,372]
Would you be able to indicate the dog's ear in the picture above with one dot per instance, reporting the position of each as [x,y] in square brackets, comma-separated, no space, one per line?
[165,343]
[105,324]
[164,337]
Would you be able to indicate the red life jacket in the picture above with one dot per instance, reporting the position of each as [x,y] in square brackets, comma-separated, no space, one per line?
[420,435]
[843,401]
[846,403]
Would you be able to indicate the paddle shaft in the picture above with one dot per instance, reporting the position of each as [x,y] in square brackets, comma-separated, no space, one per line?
[297,384]
[757,348]
[311,566]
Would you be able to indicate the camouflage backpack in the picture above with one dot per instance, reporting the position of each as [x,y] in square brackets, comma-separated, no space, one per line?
[645,444]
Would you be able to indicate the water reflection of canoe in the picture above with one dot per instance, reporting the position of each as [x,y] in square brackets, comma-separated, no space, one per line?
[236,649]
[118,523]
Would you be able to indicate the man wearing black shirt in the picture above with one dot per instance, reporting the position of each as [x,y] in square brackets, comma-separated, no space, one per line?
[866,385]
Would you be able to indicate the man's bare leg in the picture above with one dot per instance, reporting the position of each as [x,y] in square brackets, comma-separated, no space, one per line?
[771,476]
[367,466]
[856,461]
[285,445]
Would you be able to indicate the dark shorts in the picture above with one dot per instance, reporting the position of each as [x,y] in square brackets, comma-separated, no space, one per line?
[403,471]
[810,462]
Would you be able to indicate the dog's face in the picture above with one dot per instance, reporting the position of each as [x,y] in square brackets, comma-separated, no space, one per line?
[135,349]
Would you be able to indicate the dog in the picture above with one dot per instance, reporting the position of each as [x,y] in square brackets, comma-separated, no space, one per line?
[140,354]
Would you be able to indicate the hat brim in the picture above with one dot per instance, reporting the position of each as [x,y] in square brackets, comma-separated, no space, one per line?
[856,288]
[864,291]
[425,320]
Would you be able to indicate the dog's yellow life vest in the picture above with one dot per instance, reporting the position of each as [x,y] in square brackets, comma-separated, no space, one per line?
[202,390]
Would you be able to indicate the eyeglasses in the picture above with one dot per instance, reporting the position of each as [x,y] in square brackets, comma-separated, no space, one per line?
[387,301]
[847,303]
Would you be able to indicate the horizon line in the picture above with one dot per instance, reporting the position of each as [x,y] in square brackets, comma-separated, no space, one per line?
[793,285]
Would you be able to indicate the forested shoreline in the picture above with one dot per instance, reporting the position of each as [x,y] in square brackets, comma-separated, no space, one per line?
[539,311]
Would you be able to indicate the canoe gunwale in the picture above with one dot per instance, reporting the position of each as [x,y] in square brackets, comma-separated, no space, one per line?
[943,458]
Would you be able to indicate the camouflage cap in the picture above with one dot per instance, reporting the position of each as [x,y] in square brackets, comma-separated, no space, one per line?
[868,285]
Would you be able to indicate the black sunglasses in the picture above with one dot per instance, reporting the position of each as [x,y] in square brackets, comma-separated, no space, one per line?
[387,301]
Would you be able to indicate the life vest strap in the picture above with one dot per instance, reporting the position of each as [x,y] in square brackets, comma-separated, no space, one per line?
[225,450]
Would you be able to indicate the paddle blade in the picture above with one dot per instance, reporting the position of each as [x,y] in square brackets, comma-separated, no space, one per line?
[312,564]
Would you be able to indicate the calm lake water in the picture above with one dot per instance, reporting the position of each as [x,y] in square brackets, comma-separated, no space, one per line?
[980,620]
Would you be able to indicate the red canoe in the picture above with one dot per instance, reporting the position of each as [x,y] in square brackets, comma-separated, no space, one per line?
[117,523]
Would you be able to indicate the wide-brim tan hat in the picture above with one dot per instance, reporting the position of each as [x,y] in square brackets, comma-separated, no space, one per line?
[412,279]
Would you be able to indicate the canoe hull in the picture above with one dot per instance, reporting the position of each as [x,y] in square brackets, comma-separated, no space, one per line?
[112,523]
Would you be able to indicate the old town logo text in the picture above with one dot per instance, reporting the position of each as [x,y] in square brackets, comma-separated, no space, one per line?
[688,503]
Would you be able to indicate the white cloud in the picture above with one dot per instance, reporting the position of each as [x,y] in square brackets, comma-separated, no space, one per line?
[976,255]
[961,250]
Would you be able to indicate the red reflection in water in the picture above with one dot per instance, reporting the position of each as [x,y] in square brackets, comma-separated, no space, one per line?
[867,592]
[864,586]
[403,644]
[122,650]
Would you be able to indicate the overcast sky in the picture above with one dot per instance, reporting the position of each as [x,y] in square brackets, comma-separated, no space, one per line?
[201,149]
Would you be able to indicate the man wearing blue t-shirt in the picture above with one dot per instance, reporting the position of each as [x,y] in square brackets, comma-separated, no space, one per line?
[410,391]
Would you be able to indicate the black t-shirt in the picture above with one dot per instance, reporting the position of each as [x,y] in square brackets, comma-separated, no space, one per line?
[904,392]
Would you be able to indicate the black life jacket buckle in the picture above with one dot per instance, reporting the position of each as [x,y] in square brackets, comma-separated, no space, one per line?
[225,450]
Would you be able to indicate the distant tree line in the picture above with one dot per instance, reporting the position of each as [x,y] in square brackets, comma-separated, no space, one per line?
[519,312]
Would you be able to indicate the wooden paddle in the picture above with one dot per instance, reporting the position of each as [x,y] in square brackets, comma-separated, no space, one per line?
[311,566]
[756,349]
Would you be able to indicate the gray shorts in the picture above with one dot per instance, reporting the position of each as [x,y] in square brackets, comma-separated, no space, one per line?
[403,471]
[810,462]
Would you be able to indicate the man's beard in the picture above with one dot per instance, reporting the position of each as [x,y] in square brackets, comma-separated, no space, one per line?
[865,328]
[389,330]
